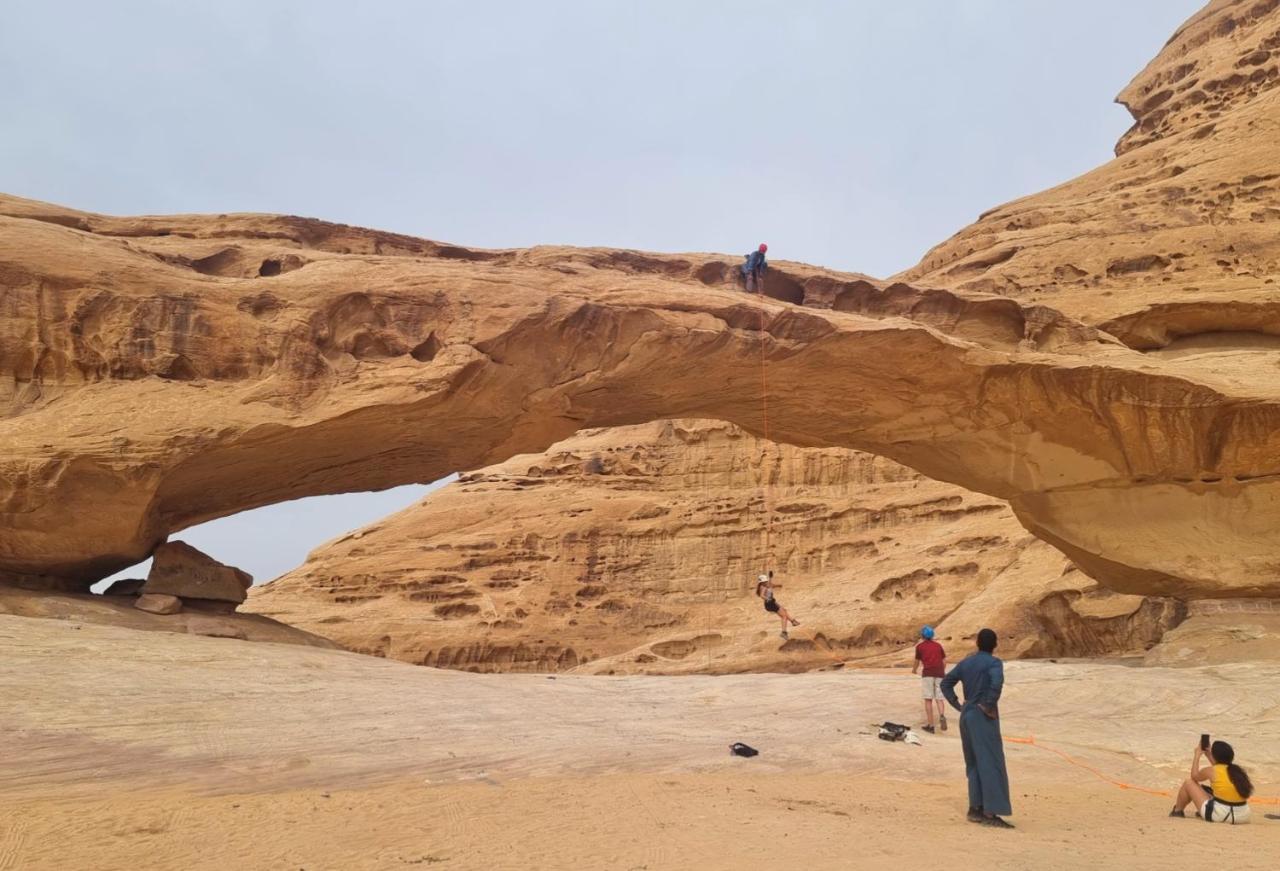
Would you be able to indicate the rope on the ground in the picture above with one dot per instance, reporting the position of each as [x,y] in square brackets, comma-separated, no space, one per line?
[1031,741]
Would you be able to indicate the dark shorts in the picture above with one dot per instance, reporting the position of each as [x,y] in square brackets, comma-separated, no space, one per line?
[771,605]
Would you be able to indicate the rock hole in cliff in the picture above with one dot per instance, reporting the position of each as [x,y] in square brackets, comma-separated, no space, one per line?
[426,351]
[179,369]
[855,297]
[781,286]
[1218,341]
[270,267]
[225,262]
[715,272]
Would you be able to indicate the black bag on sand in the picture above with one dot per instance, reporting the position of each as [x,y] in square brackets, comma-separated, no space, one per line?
[740,749]
[892,731]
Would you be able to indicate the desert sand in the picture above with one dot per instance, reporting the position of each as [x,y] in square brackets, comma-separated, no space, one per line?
[204,753]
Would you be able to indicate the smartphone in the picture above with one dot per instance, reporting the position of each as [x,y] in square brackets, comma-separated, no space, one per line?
[1204,742]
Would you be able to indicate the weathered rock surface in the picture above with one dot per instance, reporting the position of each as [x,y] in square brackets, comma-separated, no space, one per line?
[179,569]
[213,628]
[178,395]
[118,612]
[1176,242]
[158,603]
[635,550]
[1221,631]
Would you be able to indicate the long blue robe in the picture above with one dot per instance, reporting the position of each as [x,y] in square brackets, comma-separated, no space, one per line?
[982,676]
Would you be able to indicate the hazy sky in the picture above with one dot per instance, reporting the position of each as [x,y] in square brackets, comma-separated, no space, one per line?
[849,134]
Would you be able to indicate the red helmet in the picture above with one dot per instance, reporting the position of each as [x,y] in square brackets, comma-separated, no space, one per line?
[763,247]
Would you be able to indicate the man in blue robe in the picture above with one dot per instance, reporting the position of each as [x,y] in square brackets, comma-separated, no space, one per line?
[982,675]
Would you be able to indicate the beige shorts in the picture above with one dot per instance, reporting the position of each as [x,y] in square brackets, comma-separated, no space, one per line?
[932,687]
[1223,813]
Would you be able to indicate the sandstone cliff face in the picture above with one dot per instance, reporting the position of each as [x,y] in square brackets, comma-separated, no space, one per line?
[636,549]
[1174,244]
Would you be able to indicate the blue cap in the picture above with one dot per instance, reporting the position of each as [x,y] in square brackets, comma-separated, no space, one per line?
[927,632]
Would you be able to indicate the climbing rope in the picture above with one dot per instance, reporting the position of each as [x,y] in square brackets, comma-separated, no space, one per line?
[765,484]
[1031,741]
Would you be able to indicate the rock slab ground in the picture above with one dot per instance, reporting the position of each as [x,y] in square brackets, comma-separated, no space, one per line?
[175,752]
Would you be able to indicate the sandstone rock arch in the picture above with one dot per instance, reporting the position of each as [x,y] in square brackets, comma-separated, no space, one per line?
[144,394]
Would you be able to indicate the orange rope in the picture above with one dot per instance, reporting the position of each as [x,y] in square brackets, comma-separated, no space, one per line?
[1031,740]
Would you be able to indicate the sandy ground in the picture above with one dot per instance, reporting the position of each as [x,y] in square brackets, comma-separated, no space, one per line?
[129,750]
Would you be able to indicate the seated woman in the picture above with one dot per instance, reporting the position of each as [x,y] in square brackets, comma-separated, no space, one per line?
[1226,799]
[764,589]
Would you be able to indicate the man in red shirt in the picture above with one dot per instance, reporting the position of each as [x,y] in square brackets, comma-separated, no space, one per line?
[933,658]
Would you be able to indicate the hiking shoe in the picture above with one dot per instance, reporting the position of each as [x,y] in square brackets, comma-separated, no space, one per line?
[785,636]
[928,729]
[974,815]
[942,723]
[996,823]
[1179,814]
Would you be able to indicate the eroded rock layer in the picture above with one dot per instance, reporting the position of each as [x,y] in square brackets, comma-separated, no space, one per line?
[636,549]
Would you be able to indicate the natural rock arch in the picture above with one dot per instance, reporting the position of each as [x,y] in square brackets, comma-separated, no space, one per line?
[147,395]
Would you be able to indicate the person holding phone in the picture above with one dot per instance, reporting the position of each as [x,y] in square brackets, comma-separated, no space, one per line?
[1226,798]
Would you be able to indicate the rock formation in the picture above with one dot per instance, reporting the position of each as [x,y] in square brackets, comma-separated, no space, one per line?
[636,549]
[1175,244]
[148,393]
[195,617]
[163,371]
[178,569]
[1118,247]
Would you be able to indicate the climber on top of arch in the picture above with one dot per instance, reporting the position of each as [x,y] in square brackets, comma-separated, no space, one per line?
[754,268]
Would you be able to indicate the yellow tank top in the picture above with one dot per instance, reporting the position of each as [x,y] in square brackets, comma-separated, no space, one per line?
[1222,786]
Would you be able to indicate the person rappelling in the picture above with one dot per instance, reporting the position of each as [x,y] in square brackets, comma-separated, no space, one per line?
[764,589]
[754,268]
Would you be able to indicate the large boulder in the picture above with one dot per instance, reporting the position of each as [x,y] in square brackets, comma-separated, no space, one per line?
[179,569]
